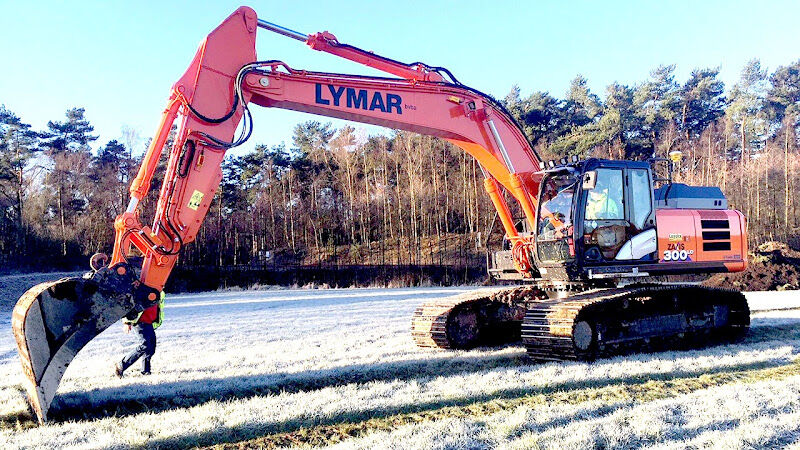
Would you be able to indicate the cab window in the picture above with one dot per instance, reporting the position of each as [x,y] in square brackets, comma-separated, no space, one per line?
[554,225]
[555,209]
[641,205]
[604,202]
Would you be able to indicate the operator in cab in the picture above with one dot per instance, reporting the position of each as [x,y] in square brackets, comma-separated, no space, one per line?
[144,324]
[602,206]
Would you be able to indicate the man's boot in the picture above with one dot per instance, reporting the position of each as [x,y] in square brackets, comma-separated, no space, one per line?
[146,367]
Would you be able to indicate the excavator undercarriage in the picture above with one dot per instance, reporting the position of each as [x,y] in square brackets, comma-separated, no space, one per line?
[592,324]
[473,319]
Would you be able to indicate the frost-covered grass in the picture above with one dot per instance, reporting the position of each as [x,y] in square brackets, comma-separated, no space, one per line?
[739,415]
[235,366]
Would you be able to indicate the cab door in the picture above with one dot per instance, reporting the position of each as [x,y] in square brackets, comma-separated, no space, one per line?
[642,243]
[618,214]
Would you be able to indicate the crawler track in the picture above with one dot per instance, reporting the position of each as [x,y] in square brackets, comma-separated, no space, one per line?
[481,317]
[586,326]
[635,319]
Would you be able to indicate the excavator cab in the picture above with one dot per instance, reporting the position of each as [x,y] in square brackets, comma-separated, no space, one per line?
[595,214]
[600,221]
[592,215]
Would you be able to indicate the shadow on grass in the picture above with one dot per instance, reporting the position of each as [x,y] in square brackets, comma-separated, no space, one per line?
[682,435]
[19,419]
[256,428]
[190,393]
[8,354]
[183,394]
[589,413]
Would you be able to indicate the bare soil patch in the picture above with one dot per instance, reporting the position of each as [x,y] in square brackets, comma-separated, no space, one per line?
[772,266]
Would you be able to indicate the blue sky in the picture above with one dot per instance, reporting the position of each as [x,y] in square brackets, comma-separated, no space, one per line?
[119,59]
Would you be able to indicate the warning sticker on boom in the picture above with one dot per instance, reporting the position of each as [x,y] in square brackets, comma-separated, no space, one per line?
[194,202]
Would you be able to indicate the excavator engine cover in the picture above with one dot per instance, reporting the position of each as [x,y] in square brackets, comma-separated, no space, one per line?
[53,321]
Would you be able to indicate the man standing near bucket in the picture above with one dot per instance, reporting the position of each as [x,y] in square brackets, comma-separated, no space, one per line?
[144,325]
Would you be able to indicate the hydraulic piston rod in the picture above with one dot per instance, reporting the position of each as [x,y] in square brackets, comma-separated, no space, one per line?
[282,30]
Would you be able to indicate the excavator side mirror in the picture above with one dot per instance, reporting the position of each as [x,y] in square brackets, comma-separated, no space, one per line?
[589,180]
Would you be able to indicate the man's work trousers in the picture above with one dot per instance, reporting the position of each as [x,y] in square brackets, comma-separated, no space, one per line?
[146,348]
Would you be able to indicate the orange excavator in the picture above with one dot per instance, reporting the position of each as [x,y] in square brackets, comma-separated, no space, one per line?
[593,235]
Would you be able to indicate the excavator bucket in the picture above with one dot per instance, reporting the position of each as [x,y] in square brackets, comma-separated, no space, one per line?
[52,322]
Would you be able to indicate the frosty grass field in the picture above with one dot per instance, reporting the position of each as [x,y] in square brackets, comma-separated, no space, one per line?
[338,367]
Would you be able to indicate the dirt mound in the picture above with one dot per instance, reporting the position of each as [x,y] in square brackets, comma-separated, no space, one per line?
[772,266]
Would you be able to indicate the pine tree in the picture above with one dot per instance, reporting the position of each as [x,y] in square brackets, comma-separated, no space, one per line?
[67,145]
[701,101]
[18,145]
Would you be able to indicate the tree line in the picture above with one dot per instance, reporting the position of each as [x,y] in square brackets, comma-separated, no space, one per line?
[334,197]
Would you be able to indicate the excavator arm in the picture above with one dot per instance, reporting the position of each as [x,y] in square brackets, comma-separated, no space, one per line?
[53,321]
[213,96]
